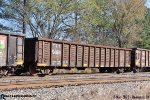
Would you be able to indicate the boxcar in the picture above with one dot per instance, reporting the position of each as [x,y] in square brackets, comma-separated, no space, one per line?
[42,53]
[141,59]
[11,52]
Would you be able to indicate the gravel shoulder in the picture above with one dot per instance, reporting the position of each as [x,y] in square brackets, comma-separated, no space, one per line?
[139,90]
[72,76]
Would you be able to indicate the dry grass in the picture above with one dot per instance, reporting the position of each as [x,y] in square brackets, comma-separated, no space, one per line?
[75,70]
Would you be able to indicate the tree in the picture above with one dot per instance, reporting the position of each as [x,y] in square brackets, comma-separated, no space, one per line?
[3,27]
[145,35]
[95,21]
[12,11]
[127,17]
[41,18]
[105,22]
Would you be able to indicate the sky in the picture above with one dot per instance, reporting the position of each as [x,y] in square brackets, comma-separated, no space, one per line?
[148,3]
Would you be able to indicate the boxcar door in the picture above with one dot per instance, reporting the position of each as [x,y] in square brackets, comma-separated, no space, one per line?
[12,50]
[3,50]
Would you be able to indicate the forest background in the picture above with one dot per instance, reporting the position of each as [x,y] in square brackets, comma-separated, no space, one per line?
[119,23]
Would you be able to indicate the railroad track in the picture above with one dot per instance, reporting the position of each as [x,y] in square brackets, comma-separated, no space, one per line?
[66,82]
[11,79]
[52,77]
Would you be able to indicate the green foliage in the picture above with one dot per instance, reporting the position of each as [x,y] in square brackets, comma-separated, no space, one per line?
[145,43]
[128,15]
[145,35]
[105,22]
[96,20]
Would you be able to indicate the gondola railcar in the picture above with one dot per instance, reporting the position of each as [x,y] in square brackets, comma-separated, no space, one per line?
[42,54]
[11,52]
[140,59]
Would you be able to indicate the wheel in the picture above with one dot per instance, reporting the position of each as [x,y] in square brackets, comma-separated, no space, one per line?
[120,71]
[18,72]
[135,70]
[1,73]
[32,70]
[42,71]
[141,70]
[101,70]
[51,71]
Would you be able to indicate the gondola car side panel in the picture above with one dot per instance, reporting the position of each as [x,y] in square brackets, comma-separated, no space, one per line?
[3,50]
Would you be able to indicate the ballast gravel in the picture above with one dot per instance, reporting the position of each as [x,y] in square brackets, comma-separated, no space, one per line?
[69,77]
[139,90]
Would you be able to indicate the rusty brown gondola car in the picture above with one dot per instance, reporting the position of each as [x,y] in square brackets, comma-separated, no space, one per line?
[11,52]
[140,59]
[19,54]
[43,53]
